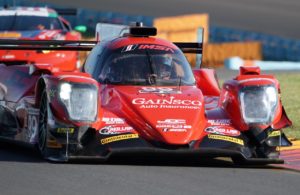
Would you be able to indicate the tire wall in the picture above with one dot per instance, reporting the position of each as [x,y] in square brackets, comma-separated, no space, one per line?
[216,53]
[182,28]
[185,28]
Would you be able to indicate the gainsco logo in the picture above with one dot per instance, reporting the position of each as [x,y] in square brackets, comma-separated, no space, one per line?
[171,101]
[112,130]
[223,131]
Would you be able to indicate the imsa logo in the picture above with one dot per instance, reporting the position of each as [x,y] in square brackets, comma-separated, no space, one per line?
[129,48]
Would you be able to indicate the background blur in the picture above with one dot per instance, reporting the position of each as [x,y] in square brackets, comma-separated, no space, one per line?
[251,29]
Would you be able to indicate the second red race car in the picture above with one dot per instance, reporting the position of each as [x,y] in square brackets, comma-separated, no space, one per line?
[38,23]
[137,94]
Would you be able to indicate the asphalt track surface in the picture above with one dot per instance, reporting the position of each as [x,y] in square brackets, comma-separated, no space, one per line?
[277,17]
[23,172]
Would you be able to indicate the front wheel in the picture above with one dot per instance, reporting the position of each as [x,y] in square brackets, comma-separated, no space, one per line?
[43,125]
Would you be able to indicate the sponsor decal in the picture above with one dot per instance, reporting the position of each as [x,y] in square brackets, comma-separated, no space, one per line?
[274,134]
[65,130]
[59,37]
[156,47]
[112,120]
[8,56]
[158,90]
[173,121]
[50,33]
[173,125]
[25,11]
[129,48]
[118,138]
[226,138]
[174,130]
[171,102]
[111,130]
[223,131]
[219,122]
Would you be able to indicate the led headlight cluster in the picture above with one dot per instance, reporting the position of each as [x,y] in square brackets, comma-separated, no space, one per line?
[80,100]
[258,104]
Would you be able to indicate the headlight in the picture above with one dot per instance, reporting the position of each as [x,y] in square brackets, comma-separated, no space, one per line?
[258,104]
[80,100]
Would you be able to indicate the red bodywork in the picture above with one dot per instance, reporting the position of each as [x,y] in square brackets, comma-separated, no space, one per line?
[62,60]
[194,117]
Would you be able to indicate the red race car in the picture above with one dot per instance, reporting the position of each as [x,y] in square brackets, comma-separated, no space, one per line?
[38,23]
[138,95]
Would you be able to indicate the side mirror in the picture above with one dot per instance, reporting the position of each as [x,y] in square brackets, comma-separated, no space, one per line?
[35,69]
[80,28]
[206,81]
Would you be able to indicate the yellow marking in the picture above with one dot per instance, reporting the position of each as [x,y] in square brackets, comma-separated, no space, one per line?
[295,146]
[119,138]
[226,138]
[53,144]
[10,35]
[65,130]
[274,134]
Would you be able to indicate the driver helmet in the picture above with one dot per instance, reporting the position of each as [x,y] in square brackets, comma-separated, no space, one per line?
[163,65]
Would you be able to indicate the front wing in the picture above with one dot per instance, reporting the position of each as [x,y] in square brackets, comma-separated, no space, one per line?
[89,144]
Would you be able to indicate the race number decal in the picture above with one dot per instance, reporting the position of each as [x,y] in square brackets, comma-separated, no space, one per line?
[32,124]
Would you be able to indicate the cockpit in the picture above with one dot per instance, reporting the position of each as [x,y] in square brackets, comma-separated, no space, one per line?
[135,65]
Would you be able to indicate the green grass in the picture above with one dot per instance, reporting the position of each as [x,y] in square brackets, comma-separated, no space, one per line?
[290,96]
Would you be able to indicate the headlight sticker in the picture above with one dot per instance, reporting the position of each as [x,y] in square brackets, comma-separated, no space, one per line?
[226,138]
[118,138]
[64,130]
[274,134]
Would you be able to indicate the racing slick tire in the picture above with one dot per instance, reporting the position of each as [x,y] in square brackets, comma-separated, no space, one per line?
[42,126]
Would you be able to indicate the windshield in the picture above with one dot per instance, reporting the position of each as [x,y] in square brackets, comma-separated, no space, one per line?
[22,23]
[131,65]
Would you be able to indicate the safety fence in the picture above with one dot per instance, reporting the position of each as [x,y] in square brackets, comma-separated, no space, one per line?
[274,48]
